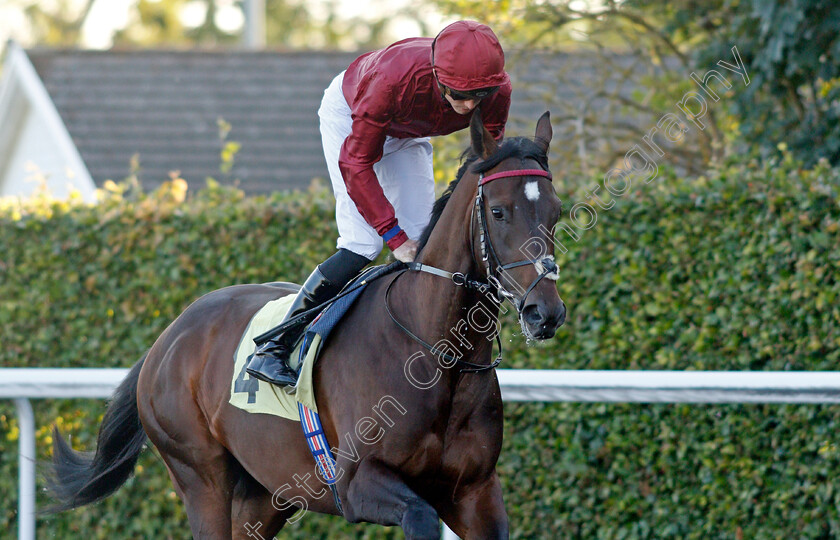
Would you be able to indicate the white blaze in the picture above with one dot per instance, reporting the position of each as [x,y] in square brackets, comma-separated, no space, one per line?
[532,191]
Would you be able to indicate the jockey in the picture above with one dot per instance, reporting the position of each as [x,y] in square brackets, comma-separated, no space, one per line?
[376,119]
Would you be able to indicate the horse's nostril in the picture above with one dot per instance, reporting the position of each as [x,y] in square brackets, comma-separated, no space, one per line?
[531,314]
[547,317]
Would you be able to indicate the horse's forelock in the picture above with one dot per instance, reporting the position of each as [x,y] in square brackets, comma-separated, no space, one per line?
[514,147]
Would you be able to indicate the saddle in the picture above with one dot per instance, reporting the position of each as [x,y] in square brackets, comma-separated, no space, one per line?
[255,396]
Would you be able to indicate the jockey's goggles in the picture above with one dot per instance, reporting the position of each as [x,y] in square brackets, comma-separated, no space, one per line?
[466,95]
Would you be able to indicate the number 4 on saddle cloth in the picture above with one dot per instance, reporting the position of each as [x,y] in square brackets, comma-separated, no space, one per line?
[298,402]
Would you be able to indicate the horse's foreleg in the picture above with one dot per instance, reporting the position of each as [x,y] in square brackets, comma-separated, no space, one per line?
[377,494]
[478,511]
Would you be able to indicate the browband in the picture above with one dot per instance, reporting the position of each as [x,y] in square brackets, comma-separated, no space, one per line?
[507,174]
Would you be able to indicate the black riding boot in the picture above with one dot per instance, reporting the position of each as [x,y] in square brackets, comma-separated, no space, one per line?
[270,362]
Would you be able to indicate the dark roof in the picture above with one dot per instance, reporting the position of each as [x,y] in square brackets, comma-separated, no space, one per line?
[165,106]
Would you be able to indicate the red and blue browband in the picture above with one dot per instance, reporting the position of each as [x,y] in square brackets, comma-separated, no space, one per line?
[507,174]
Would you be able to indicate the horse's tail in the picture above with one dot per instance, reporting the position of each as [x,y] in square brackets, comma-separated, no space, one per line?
[79,478]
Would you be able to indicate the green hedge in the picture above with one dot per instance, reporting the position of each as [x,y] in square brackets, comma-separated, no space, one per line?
[734,271]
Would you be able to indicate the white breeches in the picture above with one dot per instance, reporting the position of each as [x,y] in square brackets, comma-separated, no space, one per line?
[404,172]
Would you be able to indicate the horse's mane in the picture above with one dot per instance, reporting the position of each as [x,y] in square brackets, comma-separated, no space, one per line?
[515,147]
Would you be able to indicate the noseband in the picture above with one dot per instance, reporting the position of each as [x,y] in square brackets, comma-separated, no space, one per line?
[546,267]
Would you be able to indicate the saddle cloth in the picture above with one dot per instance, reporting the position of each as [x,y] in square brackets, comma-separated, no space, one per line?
[256,396]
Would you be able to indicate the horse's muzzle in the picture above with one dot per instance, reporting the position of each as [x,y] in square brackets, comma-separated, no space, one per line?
[543,319]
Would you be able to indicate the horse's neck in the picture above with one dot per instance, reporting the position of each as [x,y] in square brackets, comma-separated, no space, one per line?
[452,309]
[449,243]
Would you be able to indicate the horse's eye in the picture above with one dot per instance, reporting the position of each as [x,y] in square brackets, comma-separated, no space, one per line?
[498,213]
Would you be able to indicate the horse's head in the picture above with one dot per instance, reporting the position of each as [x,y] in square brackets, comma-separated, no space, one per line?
[515,209]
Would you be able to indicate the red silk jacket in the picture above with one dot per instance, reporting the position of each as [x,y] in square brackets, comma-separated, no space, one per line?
[392,92]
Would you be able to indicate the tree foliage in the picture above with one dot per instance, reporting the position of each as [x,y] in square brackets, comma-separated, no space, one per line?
[641,53]
[289,24]
[792,51]
[57,23]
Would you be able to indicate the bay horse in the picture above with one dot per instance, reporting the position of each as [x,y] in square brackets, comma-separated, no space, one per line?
[416,434]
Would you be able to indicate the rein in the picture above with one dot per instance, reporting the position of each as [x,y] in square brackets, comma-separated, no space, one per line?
[470,367]
[545,268]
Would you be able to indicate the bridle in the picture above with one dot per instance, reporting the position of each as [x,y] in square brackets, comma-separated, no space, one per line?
[546,268]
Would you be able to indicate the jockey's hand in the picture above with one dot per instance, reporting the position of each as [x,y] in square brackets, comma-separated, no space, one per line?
[406,251]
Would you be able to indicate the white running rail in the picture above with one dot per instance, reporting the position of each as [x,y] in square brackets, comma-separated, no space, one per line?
[23,384]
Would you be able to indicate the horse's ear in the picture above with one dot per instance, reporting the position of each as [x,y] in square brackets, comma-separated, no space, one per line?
[483,143]
[544,132]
